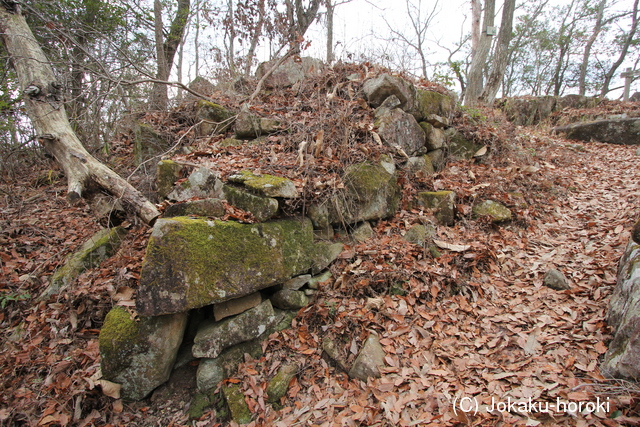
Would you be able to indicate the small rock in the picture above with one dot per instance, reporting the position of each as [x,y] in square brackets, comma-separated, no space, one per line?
[498,212]
[205,207]
[442,201]
[279,384]
[288,299]
[213,337]
[418,234]
[363,232]
[369,360]
[333,353]
[316,280]
[554,279]
[236,306]
[202,183]
[262,208]
[297,282]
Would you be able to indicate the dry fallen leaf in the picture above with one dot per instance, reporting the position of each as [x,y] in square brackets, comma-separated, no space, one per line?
[110,389]
[451,246]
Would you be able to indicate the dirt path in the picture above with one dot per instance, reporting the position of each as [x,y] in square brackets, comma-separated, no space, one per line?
[503,337]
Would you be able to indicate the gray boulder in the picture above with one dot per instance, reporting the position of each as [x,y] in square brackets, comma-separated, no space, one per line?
[369,361]
[435,137]
[622,360]
[554,279]
[139,353]
[202,183]
[614,131]
[213,337]
[167,173]
[378,89]
[400,129]
[290,72]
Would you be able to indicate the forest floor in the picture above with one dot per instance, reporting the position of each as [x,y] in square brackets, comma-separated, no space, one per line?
[466,330]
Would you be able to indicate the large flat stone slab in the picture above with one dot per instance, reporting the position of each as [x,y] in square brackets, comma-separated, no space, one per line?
[614,131]
[193,262]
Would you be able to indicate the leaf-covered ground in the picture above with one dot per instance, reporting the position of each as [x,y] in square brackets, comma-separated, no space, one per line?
[462,331]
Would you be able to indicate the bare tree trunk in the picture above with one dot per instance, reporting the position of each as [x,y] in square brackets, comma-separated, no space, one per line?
[476,10]
[231,34]
[330,9]
[255,38]
[499,63]
[46,111]
[623,53]
[159,99]
[582,79]
[479,61]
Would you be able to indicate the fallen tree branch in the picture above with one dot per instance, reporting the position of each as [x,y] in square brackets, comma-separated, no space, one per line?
[46,110]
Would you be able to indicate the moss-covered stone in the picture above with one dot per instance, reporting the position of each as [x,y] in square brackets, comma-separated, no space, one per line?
[199,403]
[167,173]
[147,144]
[263,208]
[420,234]
[428,102]
[370,193]
[240,411]
[193,262]
[98,248]
[266,185]
[279,384]
[443,202]
[459,146]
[139,353]
[498,212]
[215,118]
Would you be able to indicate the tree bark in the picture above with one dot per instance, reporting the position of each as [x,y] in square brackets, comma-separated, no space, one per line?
[46,110]
[499,64]
[166,50]
[479,60]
